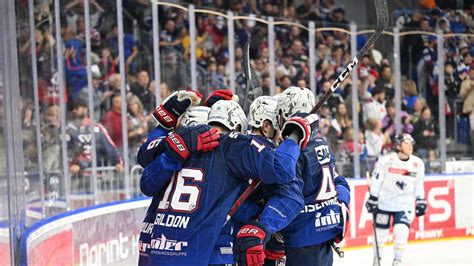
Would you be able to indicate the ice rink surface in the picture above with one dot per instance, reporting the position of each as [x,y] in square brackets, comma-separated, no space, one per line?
[437,252]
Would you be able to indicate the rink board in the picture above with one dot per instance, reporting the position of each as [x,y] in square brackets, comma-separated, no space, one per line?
[100,235]
[449,210]
[108,234]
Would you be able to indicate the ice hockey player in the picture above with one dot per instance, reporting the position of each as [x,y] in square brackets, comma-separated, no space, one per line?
[193,208]
[308,238]
[175,107]
[283,202]
[397,183]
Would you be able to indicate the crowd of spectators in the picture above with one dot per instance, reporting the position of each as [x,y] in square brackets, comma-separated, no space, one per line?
[375,82]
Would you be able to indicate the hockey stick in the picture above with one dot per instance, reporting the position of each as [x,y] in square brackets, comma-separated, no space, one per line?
[382,21]
[338,250]
[249,190]
[251,79]
[374,217]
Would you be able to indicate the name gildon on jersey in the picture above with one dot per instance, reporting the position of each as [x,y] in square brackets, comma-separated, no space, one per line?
[396,183]
[320,220]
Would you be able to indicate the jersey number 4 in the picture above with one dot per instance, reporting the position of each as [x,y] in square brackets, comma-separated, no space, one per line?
[180,197]
[327,189]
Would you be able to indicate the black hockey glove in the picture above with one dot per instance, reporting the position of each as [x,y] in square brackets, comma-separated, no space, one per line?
[420,207]
[249,245]
[275,248]
[372,204]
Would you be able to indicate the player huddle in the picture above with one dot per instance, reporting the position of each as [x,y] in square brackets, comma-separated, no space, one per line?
[200,160]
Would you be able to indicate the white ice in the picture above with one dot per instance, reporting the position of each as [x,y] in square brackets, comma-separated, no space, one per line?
[438,252]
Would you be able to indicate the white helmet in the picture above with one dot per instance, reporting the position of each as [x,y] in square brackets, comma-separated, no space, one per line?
[229,114]
[196,115]
[263,108]
[293,100]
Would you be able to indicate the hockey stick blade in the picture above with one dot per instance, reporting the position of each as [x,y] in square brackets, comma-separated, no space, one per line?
[382,22]
[246,68]
[252,84]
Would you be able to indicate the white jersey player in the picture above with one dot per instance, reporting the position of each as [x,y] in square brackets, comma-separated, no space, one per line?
[397,183]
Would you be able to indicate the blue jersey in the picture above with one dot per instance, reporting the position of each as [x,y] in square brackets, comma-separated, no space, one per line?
[191,211]
[319,221]
[276,205]
[283,201]
[151,148]
[151,185]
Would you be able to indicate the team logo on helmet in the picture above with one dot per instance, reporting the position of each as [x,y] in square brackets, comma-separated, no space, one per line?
[229,114]
[197,115]
[263,108]
[294,100]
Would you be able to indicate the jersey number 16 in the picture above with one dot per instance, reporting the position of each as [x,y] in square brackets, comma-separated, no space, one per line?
[180,197]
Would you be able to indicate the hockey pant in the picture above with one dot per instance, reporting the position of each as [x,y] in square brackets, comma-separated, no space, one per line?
[401,225]
[317,255]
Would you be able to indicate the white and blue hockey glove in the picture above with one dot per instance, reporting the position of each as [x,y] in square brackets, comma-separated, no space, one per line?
[372,204]
[420,209]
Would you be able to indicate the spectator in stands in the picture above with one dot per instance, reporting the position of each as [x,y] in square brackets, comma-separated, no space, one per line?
[286,68]
[412,45]
[308,10]
[298,55]
[143,91]
[452,87]
[266,84]
[420,103]
[130,48]
[424,134]
[79,142]
[44,47]
[427,70]
[337,18]
[388,122]
[52,116]
[98,94]
[76,75]
[334,100]
[164,91]
[347,148]
[322,53]
[410,96]
[107,64]
[215,79]
[375,138]
[75,8]
[376,107]
[325,122]
[51,145]
[385,81]
[115,81]
[301,83]
[112,121]
[285,82]
[139,125]
[341,121]
[467,93]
